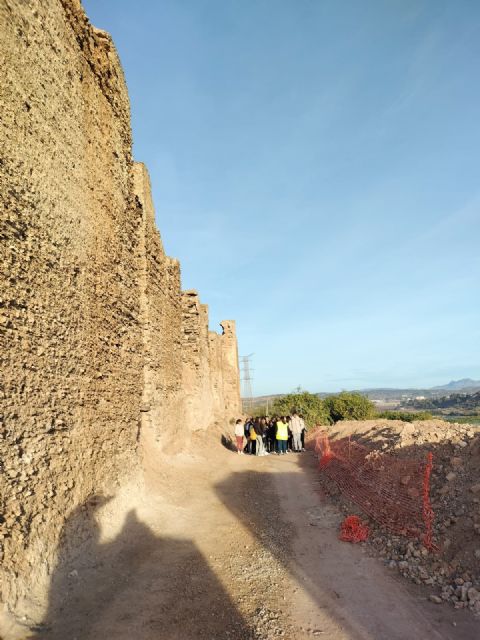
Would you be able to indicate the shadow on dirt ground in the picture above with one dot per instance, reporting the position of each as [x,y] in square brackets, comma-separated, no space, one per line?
[136,587]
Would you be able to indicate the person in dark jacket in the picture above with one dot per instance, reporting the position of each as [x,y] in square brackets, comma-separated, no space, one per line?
[259,441]
[271,433]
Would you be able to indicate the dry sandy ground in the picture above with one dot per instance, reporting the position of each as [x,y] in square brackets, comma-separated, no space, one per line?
[234,548]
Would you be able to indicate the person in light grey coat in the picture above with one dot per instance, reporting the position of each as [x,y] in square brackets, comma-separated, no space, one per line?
[296,425]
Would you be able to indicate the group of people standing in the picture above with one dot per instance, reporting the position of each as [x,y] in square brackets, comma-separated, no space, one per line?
[263,435]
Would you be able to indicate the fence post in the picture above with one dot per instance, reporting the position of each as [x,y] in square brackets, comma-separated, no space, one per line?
[427,507]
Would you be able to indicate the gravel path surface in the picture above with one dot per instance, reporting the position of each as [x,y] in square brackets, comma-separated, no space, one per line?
[236,548]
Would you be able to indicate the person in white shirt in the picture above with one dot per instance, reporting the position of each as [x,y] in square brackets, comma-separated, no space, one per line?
[239,433]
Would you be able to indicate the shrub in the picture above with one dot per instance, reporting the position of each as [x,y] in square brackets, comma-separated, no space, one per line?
[308,404]
[349,406]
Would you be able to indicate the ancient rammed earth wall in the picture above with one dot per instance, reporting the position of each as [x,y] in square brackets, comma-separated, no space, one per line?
[99,348]
[163,397]
[210,366]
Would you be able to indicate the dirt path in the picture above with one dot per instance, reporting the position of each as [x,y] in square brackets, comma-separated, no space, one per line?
[235,549]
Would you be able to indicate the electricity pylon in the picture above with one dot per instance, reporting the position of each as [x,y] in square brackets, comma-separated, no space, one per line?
[247,382]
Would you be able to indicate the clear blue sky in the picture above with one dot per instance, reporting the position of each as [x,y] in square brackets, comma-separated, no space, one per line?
[316,168]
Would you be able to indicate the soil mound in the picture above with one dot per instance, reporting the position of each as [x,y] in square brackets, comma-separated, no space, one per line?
[452,570]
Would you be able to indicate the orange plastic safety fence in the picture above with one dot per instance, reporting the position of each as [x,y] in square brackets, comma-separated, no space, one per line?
[353,530]
[322,445]
[394,491]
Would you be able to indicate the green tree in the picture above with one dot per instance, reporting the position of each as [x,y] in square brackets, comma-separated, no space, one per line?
[349,406]
[307,404]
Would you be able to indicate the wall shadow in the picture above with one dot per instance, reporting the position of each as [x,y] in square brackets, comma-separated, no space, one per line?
[136,587]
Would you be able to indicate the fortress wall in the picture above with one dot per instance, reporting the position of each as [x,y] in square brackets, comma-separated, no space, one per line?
[70,343]
[224,373]
[186,368]
[211,377]
[216,375]
[230,372]
[162,410]
[95,351]
[196,363]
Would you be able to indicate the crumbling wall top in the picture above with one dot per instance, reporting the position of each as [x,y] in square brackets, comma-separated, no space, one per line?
[228,327]
[99,50]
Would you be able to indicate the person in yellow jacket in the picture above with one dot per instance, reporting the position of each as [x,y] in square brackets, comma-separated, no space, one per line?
[282,436]
[252,439]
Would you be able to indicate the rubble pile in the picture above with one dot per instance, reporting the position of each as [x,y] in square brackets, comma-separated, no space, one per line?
[451,571]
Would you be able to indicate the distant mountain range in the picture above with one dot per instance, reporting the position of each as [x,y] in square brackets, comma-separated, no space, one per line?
[466,385]
[458,385]
[389,394]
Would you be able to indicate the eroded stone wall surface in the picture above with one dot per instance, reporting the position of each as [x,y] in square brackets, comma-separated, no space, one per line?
[70,342]
[196,362]
[95,355]
[162,410]
[229,368]
[216,377]
[211,378]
